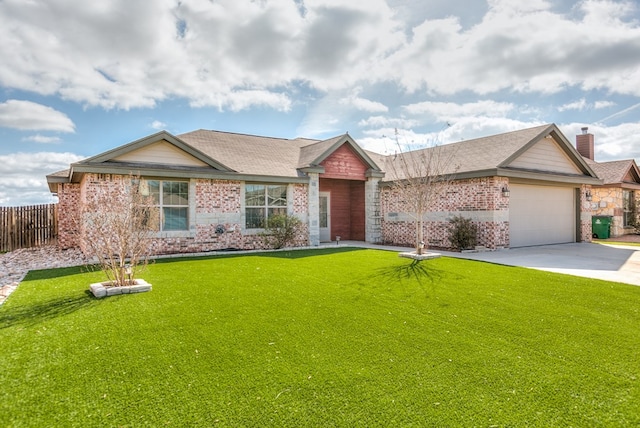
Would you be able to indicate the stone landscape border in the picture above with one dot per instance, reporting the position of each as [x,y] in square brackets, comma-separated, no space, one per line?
[103,289]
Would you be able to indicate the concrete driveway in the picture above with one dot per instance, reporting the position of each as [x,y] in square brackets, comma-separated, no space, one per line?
[603,261]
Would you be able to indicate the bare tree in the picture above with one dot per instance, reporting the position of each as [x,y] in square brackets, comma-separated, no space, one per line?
[418,178]
[116,224]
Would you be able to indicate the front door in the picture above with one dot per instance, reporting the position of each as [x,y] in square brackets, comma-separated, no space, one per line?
[325,217]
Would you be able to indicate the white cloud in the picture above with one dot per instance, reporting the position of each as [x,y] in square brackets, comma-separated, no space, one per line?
[357,102]
[235,55]
[364,104]
[527,47]
[384,121]
[603,104]
[226,54]
[383,139]
[158,125]
[444,111]
[42,139]
[581,104]
[30,116]
[24,176]
[611,142]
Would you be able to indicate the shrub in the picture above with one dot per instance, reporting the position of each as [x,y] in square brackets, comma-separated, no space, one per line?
[280,230]
[462,233]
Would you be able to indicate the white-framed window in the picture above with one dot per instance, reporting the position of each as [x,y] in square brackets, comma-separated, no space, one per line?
[262,201]
[172,200]
[628,208]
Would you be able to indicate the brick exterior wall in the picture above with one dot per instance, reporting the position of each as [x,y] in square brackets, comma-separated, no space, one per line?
[216,218]
[300,199]
[68,211]
[479,199]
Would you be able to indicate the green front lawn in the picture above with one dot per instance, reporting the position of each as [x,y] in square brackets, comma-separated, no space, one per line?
[322,338]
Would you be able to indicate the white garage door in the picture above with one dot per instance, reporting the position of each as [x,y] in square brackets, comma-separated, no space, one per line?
[540,215]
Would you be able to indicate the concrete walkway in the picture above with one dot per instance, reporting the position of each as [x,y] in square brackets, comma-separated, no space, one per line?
[610,262]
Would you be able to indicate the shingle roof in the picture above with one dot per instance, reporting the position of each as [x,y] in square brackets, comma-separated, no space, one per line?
[613,172]
[250,154]
[257,156]
[310,153]
[473,155]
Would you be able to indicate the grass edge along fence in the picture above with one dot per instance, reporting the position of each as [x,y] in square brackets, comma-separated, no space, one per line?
[28,226]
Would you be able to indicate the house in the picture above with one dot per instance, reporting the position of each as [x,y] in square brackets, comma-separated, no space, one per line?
[214,189]
[618,196]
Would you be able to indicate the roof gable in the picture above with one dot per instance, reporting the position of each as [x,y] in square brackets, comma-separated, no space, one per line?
[314,155]
[160,152]
[344,163]
[545,155]
[569,162]
[633,174]
[161,148]
[617,172]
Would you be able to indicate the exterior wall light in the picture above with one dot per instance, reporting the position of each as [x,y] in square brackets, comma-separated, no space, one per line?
[588,195]
[505,192]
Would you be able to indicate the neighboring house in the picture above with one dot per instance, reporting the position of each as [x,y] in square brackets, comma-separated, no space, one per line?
[214,189]
[619,194]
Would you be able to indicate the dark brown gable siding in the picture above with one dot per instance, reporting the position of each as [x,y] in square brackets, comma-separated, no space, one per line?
[347,208]
[344,163]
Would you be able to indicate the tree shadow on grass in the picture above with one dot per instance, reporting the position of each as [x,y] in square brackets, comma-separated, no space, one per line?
[29,315]
[423,272]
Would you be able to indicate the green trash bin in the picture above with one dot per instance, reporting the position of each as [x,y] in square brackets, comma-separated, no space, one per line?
[601,226]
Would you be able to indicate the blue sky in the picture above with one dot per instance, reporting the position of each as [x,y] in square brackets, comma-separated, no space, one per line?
[78,78]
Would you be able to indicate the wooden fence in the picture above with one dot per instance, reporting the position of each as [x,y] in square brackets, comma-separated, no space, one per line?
[28,226]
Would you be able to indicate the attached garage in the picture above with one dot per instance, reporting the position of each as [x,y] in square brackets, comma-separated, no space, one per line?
[541,215]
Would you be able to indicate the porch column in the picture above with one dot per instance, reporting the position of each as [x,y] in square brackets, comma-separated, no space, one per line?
[373,226]
[314,209]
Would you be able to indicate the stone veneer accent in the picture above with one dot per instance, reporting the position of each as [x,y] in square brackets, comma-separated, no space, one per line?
[584,229]
[313,208]
[608,201]
[373,214]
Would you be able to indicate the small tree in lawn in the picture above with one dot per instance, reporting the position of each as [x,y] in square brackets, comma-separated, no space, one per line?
[418,179]
[116,226]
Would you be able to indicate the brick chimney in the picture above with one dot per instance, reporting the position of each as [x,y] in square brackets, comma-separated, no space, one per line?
[585,144]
